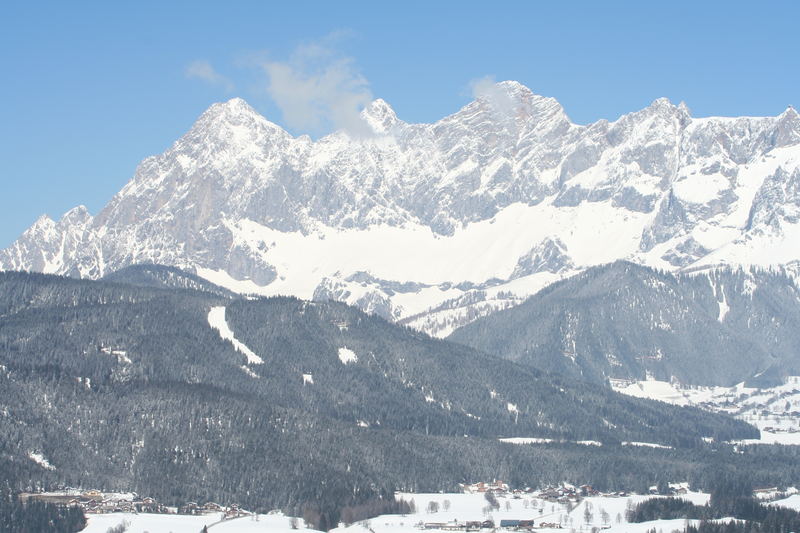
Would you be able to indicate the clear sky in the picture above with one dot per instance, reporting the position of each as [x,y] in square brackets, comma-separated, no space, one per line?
[91,88]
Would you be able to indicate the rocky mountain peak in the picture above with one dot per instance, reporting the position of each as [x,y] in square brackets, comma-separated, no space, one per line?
[663,107]
[513,99]
[380,116]
[43,225]
[787,128]
[235,120]
[231,108]
[76,216]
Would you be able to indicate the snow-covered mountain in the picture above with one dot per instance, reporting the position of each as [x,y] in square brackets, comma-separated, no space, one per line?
[437,224]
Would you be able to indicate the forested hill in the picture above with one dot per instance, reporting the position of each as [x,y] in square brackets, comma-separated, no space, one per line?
[122,386]
[164,277]
[622,320]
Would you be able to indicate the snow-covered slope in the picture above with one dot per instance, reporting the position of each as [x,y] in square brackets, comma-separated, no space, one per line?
[436,224]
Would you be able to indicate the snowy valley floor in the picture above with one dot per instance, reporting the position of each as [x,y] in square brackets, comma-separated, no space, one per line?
[605,512]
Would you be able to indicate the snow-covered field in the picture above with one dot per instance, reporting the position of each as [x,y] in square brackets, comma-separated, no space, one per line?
[604,511]
[162,523]
[792,502]
[775,411]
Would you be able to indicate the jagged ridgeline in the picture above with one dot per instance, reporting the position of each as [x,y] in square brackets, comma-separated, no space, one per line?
[128,387]
[712,327]
[438,224]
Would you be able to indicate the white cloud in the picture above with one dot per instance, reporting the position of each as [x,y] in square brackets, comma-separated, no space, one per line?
[486,89]
[202,70]
[318,89]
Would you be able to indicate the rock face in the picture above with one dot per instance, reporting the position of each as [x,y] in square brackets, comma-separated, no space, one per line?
[466,215]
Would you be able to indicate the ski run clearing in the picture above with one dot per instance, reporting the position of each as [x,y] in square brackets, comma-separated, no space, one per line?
[216,319]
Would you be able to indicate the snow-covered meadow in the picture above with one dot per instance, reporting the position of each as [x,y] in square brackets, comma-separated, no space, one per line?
[606,512]
[603,512]
[166,523]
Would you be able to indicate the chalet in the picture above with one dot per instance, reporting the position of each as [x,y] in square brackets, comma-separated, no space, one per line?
[234,511]
[109,506]
[497,487]
[92,495]
[92,506]
[765,490]
[189,508]
[212,507]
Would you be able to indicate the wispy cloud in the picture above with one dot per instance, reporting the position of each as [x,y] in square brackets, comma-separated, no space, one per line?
[486,89]
[318,89]
[202,70]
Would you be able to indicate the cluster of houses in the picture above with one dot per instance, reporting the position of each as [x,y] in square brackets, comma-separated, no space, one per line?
[508,525]
[565,493]
[458,526]
[562,494]
[95,502]
[771,429]
[497,487]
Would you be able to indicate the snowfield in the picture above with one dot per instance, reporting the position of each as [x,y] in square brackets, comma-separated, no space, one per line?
[605,512]
[792,502]
[163,523]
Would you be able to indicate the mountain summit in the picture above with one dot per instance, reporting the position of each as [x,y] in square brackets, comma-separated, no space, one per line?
[436,224]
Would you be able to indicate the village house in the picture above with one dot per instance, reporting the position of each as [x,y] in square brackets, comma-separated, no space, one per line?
[190,508]
[497,487]
[92,495]
[212,507]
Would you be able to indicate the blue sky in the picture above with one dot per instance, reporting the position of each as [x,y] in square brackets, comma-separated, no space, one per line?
[91,88]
